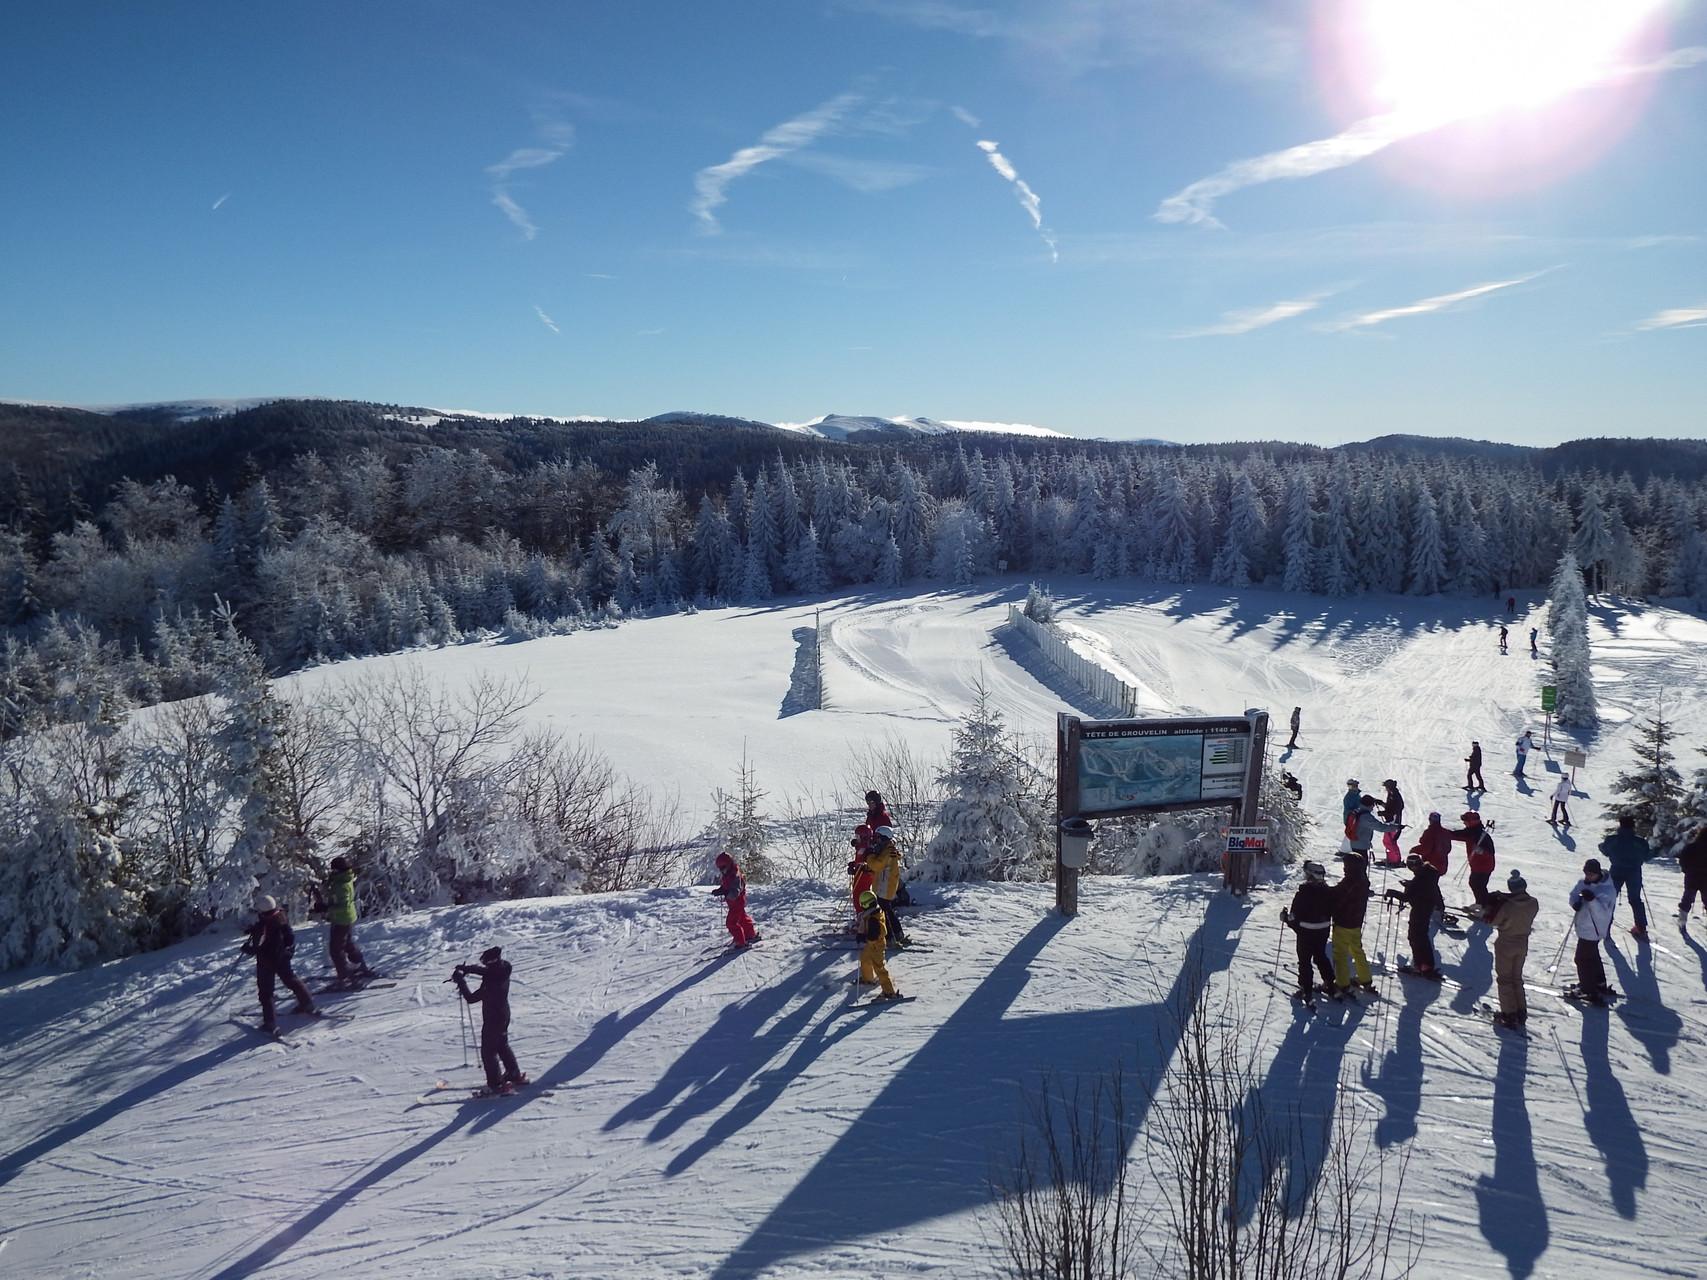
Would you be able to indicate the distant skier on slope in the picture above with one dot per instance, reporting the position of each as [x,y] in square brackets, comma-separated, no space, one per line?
[1593,899]
[338,904]
[732,888]
[1524,745]
[1512,914]
[1350,903]
[1422,894]
[1625,853]
[874,936]
[1534,649]
[1511,605]
[1502,639]
[1479,844]
[885,864]
[1692,861]
[493,997]
[1473,775]
[1297,714]
[1392,810]
[1561,815]
[272,942]
[1435,844]
[1311,918]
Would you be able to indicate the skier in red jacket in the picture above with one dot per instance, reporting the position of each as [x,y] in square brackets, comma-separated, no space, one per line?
[876,812]
[732,888]
[1435,844]
[1479,840]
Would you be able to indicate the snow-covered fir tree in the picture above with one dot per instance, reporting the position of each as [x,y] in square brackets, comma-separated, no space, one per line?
[1651,790]
[1567,626]
[739,827]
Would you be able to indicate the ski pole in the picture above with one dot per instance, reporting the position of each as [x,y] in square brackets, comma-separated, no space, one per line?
[1560,953]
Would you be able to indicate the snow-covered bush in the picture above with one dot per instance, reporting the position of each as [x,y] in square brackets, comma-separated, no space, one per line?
[996,819]
[1040,604]
[739,827]
[1159,844]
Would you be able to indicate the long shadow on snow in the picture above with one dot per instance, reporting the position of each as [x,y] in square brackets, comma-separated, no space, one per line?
[1656,1028]
[171,1078]
[1475,969]
[1700,953]
[1399,1083]
[921,1150]
[1509,1205]
[1607,1118]
[1026,656]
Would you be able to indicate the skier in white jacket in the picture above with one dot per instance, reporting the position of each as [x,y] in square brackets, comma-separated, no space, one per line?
[1593,899]
[1561,816]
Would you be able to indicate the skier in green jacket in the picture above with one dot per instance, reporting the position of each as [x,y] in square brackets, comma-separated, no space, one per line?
[340,908]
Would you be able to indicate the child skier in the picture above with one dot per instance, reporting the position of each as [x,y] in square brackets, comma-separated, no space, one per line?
[1392,810]
[1311,918]
[1593,899]
[493,997]
[1473,775]
[1512,914]
[1350,901]
[876,812]
[1561,816]
[874,934]
[1625,853]
[885,864]
[1479,843]
[339,905]
[1422,894]
[272,943]
[732,888]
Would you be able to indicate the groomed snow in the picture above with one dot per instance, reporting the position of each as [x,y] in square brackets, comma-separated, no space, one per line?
[702,1115]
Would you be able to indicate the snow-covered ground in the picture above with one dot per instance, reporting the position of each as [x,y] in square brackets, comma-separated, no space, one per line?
[699,1114]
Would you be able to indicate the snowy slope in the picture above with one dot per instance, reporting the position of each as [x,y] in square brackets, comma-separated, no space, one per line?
[714,1116]
[839,426]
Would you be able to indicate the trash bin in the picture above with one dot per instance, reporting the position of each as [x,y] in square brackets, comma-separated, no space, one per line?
[1076,836]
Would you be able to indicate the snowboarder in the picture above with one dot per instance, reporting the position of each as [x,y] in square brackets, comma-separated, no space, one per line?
[1473,775]
[1479,844]
[1692,861]
[271,942]
[1534,649]
[1561,816]
[1593,899]
[1512,915]
[1297,713]
[493,997]
[1435,844]
[1361,826]
[1350,902]
[874,933]
[732,888]
[1311,918]
[885,864]
[1422,893]
[338,904]
[1625,853]
[1392,810]
[1525,744]
[1502,639]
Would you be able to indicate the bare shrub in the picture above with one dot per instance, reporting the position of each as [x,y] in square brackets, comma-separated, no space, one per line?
[908,780]
[813,838]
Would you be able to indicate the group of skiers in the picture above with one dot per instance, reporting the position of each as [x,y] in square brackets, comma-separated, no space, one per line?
[875,873]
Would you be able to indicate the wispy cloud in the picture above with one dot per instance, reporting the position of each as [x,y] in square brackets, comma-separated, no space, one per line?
[1675,318]
[859,174]
[554,137]
[711,184]
[1426,306]
[1195,203]
[598,275]
[1028,199]
[1249,319]
[546,320]
[648,333]
[222,199]
[966,117]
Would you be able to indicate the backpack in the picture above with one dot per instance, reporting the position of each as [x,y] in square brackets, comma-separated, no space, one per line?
[1351,824]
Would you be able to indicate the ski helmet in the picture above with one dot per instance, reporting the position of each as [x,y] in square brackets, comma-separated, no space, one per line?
[1369,800]
[264,904]
[340,863]
[491,955]
[884,833]
[1352,782]
[868,899]
[724,860]
[1388,782]
[1516,883]
[1434,815]
[1315,871]
[1469,817]
[871,797]
[1414,860]
[1591,867]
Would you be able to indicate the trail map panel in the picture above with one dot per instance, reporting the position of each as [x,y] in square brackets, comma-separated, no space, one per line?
[1125,765]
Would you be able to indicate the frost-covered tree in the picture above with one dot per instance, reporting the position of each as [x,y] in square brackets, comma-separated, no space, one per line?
[1299,550]
[995,822]
[1428,556]
[740,827]
[1651,791]
[962,544]
[805,564]
[247,742]
[1592,543]
[1241,545]
[1567,625]
[889,564]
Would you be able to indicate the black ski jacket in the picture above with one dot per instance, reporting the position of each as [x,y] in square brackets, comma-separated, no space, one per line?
[1351,896]
[493,994]
[271,940]
[1422,890]
[1313,904]
[1393,807]
[1692,858]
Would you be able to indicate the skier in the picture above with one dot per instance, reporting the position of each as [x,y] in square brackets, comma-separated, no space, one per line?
[1511,605]
[1311,918]
[1473,775]
[1525,744]
[338,904]
[1692,861]
[1435,844]
[1593,899]
[1534,649]
[493,997]
[1392,810]
[885,864]
[271,942]
[1479,844]
[1351,901]
[1422,893]
[1361,826]
[876,812]
[1561,816]
[1512,914]
[732,888]
[1353,797]
[1625,853]
[1297,713]
[1502,639]
[874,933]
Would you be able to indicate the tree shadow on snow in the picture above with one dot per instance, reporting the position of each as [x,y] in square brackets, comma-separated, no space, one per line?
[1607,1118]
[1399,1081]
[921,1149]
[1656,1028]
[1512,1214]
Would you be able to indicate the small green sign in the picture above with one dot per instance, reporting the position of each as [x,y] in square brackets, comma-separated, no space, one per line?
[1549,697]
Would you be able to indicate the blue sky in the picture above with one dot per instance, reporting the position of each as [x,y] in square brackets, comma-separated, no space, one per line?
[1194,219]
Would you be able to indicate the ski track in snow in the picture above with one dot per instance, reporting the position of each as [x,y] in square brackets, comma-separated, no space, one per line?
[738,1115]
